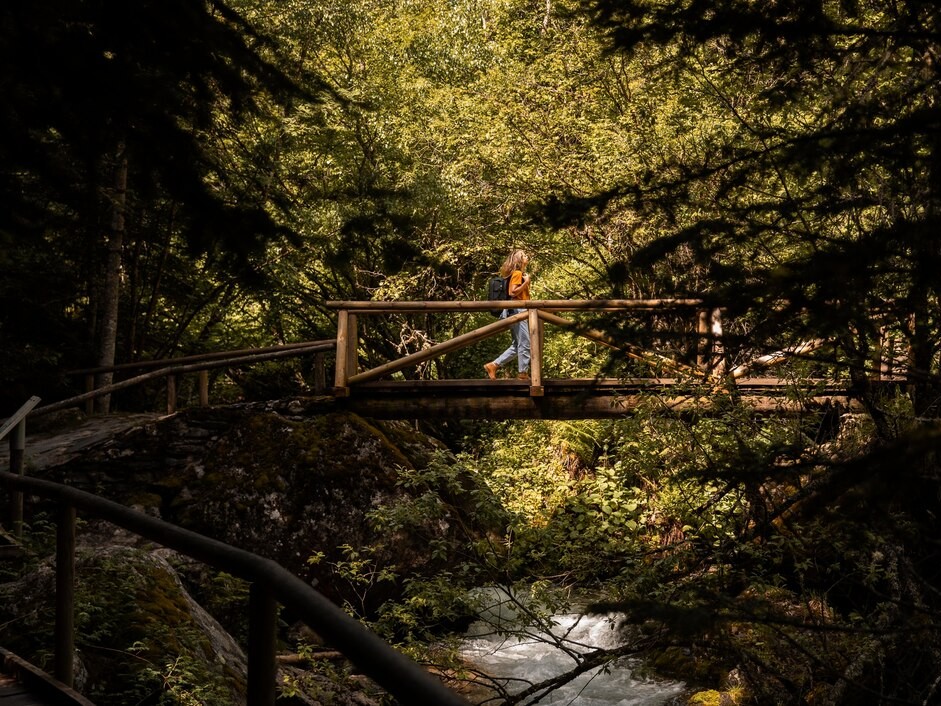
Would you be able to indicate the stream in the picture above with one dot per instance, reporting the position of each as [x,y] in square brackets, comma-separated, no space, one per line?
[529,656]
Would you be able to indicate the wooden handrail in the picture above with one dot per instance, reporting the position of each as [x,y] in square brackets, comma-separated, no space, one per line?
[18,416]
[399,675]
[199,357]
[385,307]
[208,364]
[17,424]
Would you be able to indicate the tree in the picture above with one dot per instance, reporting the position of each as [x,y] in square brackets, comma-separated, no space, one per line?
[822,192]
[805,195]
[92,87]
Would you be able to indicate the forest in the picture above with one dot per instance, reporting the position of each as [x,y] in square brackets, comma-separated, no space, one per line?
[181,177]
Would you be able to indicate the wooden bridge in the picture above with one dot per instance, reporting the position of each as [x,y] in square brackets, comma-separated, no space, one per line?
[391,389]
[382,391]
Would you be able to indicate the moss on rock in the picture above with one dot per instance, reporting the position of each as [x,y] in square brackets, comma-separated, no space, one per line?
[287,484]
[140,637]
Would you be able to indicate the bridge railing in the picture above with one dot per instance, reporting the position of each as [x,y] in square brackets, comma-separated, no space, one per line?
[171,369]
[15,428]
[537,313]
[270,584]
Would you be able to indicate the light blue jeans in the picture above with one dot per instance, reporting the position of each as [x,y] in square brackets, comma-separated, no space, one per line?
[519,349]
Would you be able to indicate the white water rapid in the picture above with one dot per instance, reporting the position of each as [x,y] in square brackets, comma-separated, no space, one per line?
[519,660]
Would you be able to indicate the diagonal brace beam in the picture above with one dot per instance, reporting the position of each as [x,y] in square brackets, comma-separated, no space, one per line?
[453,344]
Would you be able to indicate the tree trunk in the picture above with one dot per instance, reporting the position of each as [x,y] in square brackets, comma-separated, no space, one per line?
[108,334]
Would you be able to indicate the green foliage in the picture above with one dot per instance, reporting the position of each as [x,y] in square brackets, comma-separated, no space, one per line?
[429,608]
[183,683]
[140,625]
[223,596]
[779,160]
[321,680]
[430,603]
[359,571]
[136,637]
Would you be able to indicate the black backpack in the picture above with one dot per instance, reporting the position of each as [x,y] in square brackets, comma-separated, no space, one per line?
[498,291]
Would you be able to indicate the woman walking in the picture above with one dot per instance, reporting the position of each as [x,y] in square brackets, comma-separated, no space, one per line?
[518,288]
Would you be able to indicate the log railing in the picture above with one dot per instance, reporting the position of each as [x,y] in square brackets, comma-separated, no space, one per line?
[537,314]
[15,428]
[172,368]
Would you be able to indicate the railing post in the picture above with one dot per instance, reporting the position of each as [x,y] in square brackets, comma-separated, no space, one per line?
[90,387]
[15,426]
[535,350]
[703,344]
[65,593]
[352,344]
[17,465]
[710,355]
[718,348]
[262,632]
[171,394]
[203,388]
[341,378]
[320,373]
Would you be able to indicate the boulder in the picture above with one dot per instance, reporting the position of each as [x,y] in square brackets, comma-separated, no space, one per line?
[289,482]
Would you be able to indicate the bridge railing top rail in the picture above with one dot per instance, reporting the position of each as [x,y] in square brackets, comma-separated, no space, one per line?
[382,307]
[239,355]
[170,367]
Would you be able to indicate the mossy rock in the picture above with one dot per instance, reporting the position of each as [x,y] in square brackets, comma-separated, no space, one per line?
[712,697]
[140,638]
[288,484]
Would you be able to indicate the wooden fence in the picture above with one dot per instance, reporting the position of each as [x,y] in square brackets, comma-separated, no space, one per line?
[172,368]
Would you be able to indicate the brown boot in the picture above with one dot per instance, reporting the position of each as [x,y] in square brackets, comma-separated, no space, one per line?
[523,375]
[491,369]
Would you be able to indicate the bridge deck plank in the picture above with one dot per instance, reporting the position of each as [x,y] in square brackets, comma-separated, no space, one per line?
[578,399]
[12,693]
[24,684]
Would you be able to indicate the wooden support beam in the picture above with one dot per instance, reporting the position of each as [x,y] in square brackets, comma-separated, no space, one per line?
[890,355]
[15,427]
[710,355]
[352,344]
[766,361]
[341,377]
[18,416]
[17,466]
[347,357]
[497,406]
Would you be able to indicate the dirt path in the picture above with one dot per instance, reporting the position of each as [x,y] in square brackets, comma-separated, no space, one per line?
[45,449]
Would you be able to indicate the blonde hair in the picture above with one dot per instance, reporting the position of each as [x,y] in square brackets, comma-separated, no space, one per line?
[513,262]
